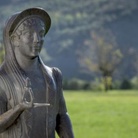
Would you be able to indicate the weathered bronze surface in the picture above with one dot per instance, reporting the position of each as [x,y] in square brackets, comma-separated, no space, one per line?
[31,98]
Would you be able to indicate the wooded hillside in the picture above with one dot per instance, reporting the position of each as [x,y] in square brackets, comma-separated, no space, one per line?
[72,23]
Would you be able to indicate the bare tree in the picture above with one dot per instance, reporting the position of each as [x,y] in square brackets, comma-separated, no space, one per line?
[102,55]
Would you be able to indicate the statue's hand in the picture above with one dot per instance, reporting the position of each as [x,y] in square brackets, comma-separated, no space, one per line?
[27,99]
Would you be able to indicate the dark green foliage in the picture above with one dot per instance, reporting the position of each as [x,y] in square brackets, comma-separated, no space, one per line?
[86,86]
[134,82]
[116,84]
[75,84]
[126,84]
[97,84]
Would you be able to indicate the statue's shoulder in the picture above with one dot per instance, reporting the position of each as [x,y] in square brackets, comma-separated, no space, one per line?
[57,76]
[55,73]
[53,70]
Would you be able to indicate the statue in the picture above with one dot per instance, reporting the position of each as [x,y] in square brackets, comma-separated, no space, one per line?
[32,104]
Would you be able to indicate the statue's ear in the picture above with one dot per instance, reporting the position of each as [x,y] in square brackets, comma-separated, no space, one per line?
[15,40]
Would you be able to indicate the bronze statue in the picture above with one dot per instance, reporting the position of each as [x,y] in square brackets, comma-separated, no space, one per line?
[31,98]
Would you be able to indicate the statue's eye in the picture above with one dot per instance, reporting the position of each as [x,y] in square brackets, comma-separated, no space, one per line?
[41,33]
[28,34]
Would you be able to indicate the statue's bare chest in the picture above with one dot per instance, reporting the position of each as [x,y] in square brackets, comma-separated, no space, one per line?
[38,85]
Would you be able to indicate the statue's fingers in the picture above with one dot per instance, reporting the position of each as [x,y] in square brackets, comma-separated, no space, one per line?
[31,95]
[24,94]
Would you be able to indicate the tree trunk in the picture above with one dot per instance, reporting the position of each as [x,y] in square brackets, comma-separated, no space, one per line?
[107,82]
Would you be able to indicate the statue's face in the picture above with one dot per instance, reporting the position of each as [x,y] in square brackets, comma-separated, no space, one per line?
[31,37]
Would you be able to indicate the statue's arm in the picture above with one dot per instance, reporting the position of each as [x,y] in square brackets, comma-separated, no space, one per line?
[63,122]
[64,126]
[8,117]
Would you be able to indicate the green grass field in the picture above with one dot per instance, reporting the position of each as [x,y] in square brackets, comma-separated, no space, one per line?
[103,115]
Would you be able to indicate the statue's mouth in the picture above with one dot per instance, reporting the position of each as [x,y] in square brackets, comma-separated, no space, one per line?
[37,47]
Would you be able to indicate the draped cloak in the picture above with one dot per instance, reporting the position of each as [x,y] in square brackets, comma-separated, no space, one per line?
[12,85]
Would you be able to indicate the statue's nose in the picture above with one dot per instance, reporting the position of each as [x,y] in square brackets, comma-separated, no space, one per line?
[36,38]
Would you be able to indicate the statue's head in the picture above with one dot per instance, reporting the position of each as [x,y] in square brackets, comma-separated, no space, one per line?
[23,30]
[28,37]
[28,30]
[18,18]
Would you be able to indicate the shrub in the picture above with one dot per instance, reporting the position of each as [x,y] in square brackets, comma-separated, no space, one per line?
[134,82]
[126,84]
[76,84]
[116,84]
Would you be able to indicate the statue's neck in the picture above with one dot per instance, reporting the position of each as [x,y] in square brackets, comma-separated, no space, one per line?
[27,64]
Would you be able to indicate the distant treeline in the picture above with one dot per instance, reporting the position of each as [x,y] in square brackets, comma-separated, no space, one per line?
[71,27]
[97,84]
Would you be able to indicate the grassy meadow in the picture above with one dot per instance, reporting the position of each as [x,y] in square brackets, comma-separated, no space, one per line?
[103,115]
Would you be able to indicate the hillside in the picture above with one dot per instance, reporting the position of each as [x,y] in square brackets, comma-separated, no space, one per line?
[72,22]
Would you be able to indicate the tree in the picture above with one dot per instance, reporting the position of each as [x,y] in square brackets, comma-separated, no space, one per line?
[101,54]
